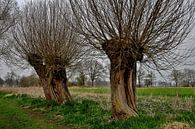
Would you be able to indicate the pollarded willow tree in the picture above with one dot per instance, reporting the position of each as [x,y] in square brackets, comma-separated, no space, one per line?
[47,43]
[129,31]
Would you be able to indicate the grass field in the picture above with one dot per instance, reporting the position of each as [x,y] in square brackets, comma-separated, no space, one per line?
[162,91]
[12,116]
[159,108]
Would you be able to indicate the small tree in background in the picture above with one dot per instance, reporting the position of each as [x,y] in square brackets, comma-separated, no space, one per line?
[11,79]
[31,80]
[1,81]
[81,79]
[176,76]
[95,70]
[80,74]
[140,75]
[188,78]
[149,79]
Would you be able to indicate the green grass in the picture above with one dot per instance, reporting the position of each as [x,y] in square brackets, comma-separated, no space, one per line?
[78,114]
[98,90]
[85,113]
[13,117]
[156,107]
[184,92]
[171,91]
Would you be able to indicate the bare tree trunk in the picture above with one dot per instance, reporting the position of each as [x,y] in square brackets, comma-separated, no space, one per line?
[53,81]
[139,82]
[47,91]
[56,90]
[176,84]
[92,83]
[123,83]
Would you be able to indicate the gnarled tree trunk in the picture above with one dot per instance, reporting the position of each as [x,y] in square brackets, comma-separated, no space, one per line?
[123,80]
[123,83]
[55,86]
[53,81]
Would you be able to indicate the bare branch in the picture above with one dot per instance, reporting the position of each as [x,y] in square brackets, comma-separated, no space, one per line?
[8,16]
[151,29]
[43,31]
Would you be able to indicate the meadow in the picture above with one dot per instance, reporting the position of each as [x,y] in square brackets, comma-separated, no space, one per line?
[159,91]
[158,108]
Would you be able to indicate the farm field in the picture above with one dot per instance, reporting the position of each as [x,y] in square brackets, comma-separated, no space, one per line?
[158,108]
[161,91]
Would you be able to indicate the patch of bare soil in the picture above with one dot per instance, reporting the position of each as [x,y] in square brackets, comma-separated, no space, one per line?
[178,125]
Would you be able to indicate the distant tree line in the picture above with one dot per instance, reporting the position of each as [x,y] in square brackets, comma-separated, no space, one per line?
[96,75]
[185,77]
[89,73]
[13,80]
[177,78]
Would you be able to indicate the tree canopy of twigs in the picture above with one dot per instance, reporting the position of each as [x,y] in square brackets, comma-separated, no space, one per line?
[153,29]
[8,17]
[43,31]
[95,70]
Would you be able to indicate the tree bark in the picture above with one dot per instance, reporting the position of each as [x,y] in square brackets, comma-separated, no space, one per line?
[53,80]
[123,81]
[56,89]
[176,84]
[92,83]
[139,82]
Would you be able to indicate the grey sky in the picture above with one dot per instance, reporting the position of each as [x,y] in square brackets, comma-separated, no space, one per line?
[21,2]
[190,43]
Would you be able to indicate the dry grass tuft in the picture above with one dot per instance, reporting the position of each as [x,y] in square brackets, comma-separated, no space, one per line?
[32,91]
[178,125]
[184,104]
[103,99]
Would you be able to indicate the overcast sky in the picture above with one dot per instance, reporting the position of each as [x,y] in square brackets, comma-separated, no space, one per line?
[21,2]
[4,69]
